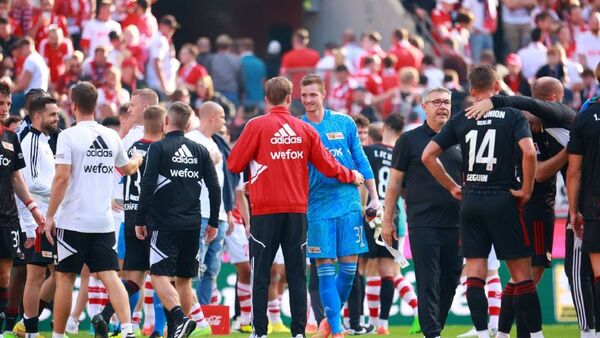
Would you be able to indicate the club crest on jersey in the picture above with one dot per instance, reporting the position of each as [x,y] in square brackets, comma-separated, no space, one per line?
[8,146]
[99,148]
[314,249]
[285,135]
[335,136]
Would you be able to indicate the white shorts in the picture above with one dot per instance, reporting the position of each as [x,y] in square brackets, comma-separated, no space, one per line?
[237,245]
[278,256]
[493,262]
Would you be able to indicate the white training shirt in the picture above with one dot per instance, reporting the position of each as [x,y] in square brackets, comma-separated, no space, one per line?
[134,134]
[97,31]
[40,74]
[93,151]
[588,44]
[215,153]
[161,49]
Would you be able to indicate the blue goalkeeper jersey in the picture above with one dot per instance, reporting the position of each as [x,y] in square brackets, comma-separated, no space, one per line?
[327,197]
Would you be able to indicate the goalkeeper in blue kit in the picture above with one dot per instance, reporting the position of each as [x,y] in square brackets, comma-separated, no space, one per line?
[335,220]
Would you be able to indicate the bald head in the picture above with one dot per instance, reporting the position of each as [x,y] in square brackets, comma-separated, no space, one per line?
[212,117]
[548,89]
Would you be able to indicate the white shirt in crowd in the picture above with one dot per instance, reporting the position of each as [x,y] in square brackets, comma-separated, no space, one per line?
[161,49]
[588,45]
[93,151]
[533,56]
[517,16]
[96,32]
[40,74]
[217,157]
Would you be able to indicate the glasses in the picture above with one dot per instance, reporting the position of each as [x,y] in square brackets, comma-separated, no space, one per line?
[438,103]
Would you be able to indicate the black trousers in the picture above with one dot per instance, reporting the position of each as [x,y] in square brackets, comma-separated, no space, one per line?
[581,280]
[438,266]
[267,233]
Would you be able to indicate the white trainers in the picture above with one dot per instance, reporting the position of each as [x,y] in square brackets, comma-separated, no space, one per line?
[251,336]
[469,334]
[72,326]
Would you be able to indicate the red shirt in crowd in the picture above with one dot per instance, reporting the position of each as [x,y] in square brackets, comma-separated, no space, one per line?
[191,73]
[389,80]
[340,97]
[76,10]
[55,57]
[370,81]
[407,55]
[296,63]
[42,33]
[376,53]
[278,148]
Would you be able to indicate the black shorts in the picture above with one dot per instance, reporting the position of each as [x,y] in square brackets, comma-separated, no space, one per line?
[10,243]
[376,250]
[96,250]
[42,253]
[174,253]
[492,217]
[540,228]
[591,237]
[137,254]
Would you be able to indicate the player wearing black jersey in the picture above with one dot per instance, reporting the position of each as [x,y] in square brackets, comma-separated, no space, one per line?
[491,197]
[137,252]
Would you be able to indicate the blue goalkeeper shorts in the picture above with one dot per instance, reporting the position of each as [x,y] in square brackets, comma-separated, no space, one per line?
[336,237]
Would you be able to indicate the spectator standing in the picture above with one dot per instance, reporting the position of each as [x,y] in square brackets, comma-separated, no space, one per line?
[95,32]
[486,22]
[515,79]
[254,72]
[45,20]
[112,93]
[189,71]
[55,49]
[225,69]
[161,69]
[22,14]
[555,67]
[35,74]
[534,55]
[77,13]
[95,69]
[205,91]
[7,39]
[452,60]
[142,18]
[544,22]
[298,62]
[204,54]
[435,76]
[588,43]
[72,73]
[371,44]
[351,49]
[340,96]
[406,54]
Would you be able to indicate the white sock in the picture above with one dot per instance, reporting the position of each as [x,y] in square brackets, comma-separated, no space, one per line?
[372,291]
[494,296]
[588,333]
[126,329]
[483,334]
[245,298]
[538,334]
[148,305]
[197,315]
[58,335]
[407,293]
[502,335]
[274,311]
[382,323]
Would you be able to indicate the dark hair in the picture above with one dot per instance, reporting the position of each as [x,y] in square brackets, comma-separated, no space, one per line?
[400,34]
[3,21]
[542,16]
[341,68]
[368,60]
[536,35]
[277,89]
[302,35]
[394,122]
[389,61]
[12,119]
[143,4]
[39,103]
[361,121]
[113,35]
[85,96]
[4,89]
[465,16]
[111,121]
[33,94]
[124,109]
[179,114]
[331,45]
[26,41]
[483,77]
[428,60]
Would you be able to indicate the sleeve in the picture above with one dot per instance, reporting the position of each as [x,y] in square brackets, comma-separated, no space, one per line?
[446,138]
[29,65]
[553,113]
[148,182]
[401,154]
[358,154]
[209,175]
[18,161]
[322,159]
[244,150]
[31,175]
[521,128]
[576,142]
[63,149]
[122,159]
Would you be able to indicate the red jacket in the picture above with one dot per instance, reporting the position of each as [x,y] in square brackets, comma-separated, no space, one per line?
[278,148]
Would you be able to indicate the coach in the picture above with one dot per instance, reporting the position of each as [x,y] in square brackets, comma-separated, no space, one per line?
[432,214]
[280,147]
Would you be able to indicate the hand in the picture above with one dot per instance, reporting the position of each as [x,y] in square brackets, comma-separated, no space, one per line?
[29,243]
[358,178]
[230,224]
[375,221]
[37,216]
[141,232]
[246,187]
[456,192]
[50,229]
[116,206]
[210,234]
[521,196]
[577,222]
[478,109]
[136,156]
[389,232]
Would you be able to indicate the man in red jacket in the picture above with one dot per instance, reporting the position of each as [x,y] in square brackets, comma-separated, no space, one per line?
[278,147]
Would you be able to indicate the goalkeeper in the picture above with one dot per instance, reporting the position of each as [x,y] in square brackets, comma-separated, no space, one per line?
[335,220]
[432,213]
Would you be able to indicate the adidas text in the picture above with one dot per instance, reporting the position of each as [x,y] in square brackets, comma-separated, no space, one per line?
[287,155]
[98,169]
[99,153]
[184,160]
[286,140]
[185,173]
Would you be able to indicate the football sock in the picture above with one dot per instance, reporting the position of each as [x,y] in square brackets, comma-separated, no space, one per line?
[329,296]
[386,296]
[527,304]
[477,303]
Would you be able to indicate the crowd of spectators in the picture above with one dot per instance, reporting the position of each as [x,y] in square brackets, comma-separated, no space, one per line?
[121,46]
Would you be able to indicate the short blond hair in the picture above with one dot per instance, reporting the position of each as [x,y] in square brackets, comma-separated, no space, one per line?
[277,89]
[310,79]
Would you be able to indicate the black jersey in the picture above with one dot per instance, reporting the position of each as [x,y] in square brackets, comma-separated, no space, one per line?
[131,187]
[544,193]
[585,141]
[380,159]
[11,160]
[487,146]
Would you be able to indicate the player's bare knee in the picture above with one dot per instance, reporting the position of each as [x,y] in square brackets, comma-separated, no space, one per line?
[476,267]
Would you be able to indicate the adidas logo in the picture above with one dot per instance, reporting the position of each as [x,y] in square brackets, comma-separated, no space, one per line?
[184,155]
[285,135]
[99,149]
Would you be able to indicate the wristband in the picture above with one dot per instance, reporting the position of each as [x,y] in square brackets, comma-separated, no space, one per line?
[31,205]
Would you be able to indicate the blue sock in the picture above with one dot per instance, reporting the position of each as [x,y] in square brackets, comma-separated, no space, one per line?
[329,296]
[159,315]
[345,277]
